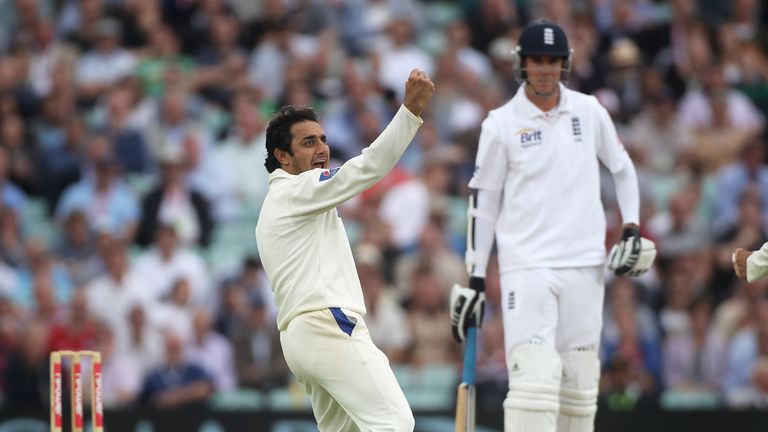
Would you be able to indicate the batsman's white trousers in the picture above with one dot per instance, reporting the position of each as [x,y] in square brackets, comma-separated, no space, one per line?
[559,307]
[349,380]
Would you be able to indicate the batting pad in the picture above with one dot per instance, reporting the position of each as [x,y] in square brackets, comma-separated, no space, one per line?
[534,378]
[578,391]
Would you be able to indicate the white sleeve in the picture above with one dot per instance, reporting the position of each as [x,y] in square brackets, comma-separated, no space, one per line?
[757,264]
[610,149]
[491,162]
[319,190]
[488,205]
[627,193]
[613,155]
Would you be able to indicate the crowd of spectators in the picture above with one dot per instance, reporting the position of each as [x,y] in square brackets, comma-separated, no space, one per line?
[131,176]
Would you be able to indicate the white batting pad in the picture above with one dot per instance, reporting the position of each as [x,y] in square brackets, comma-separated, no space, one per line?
[578,391]
[534,378]
[534,384]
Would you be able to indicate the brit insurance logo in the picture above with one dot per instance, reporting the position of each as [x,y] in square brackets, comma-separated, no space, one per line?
[529,137]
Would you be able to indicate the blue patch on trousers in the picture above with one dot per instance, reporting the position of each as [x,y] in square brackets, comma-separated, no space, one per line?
[345,324]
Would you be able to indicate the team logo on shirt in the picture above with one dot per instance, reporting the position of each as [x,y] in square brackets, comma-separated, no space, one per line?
[529,137]
[325,175]
[576,129]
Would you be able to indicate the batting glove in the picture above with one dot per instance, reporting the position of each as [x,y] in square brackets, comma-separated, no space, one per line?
[632,255]
[467,307]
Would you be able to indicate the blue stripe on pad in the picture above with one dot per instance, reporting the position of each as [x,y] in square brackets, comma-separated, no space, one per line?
[345,324]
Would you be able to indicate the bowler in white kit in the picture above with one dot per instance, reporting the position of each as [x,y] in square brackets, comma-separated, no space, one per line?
[307,257]
[536,191]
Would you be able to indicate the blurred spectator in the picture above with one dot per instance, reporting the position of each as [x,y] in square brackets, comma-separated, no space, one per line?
[212,351]
[428,315]
[137,339]
[694,359]
[26,375]
[385,318]
[129,144]
[12,242]
[121,375]
[174,311]
[48,53]
[64,165]
[736,109]
[720,141]
[42,274]
[746,347]
[177,117]
[172,202]
[176,383]
[625,293]
[231,313]
[166,262]
[475,65]
[12,197]
[398,55]
[111,296]
[657,139]
[19,160]
[162,61]
[254,281]
[433,250]
[258,357]
[105,63]
[489,19]
[733,185]
[243,153]
[107,201]
[77,249]
[639,355]
[679,229]
[78,331]
[212,178]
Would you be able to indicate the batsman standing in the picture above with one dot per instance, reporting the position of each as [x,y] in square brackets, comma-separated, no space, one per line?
[306,254]
[536,190]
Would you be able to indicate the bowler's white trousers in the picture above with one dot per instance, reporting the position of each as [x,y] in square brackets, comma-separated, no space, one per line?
[349,380]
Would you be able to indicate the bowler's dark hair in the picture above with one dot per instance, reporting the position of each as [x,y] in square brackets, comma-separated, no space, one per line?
[279,131]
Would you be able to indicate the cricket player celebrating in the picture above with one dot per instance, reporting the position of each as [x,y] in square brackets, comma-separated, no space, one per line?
[536,189]
[307,257]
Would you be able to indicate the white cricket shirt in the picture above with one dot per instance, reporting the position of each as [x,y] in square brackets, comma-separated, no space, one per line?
[546,165]
[301,239]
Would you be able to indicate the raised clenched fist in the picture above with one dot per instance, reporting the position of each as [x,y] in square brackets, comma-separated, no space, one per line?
[418,91]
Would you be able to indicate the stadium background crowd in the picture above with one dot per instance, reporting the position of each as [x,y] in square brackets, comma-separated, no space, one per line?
[131,176]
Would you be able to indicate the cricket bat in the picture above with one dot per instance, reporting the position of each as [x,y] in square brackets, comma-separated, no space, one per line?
[465,397]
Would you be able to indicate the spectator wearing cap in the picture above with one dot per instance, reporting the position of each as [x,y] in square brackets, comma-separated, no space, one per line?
[105,63]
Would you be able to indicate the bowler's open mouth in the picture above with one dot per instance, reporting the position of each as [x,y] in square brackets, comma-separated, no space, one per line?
[319,164]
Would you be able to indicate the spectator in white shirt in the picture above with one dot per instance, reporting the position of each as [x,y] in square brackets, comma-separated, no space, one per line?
[106,63]
[166,262]
[111,296]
